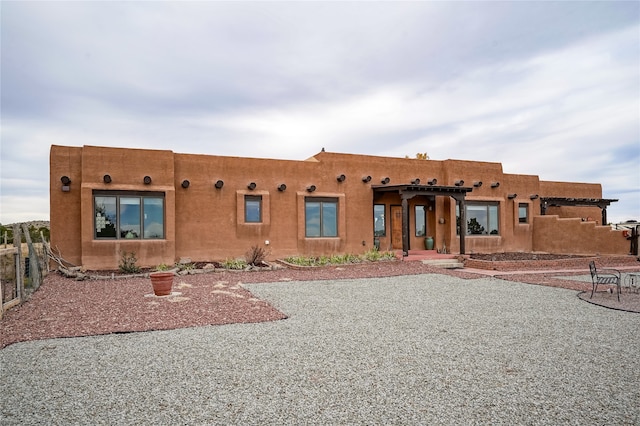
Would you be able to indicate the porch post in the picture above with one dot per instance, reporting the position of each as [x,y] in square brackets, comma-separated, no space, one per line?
[463,224]
[604,216]
[405,225]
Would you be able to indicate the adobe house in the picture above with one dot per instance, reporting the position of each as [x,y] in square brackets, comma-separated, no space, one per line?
[164,206]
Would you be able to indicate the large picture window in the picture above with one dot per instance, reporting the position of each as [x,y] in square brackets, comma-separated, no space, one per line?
[321,217]
[128,215]
[482,218]
[379,229]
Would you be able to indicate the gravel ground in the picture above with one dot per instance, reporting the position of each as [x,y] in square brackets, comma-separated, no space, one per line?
[416,349]
[69,308]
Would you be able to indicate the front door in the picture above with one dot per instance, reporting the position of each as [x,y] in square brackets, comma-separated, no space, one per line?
[396,227]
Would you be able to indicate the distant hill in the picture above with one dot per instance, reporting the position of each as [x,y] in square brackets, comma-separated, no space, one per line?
[36,223]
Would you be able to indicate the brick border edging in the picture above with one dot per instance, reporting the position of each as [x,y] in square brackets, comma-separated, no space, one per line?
[567,263]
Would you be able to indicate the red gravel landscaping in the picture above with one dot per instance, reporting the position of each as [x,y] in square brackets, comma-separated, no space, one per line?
[65,307]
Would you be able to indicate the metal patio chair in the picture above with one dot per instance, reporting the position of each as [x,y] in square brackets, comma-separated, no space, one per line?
[604,276]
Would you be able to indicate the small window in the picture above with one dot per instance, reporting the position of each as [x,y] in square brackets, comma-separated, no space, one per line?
[523,213]
[421,224]
[379,229]
[253,208]
[321,217]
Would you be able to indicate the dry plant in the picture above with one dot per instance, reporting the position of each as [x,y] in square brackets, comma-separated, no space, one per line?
[256,255]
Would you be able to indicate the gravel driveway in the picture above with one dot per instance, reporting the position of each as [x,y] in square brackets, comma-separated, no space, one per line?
[421,349]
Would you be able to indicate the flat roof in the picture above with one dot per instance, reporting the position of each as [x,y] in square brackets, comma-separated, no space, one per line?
[569,201]
[426,189]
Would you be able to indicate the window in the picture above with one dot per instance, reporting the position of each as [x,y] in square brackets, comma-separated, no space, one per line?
[482,218]
[253,208]
[379,229]
[523,213]
[321,217]
[128,215]
[421,224]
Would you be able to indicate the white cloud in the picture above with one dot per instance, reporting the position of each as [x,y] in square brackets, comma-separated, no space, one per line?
[552,91]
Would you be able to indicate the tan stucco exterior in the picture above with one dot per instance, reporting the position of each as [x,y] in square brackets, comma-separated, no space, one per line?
[206,223]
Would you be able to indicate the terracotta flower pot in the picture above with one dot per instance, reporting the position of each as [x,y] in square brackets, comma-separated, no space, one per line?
[162,283]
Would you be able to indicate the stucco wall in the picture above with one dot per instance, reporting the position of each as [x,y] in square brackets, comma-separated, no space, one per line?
[570,189]
[206,223]
[552,234]
[64,209]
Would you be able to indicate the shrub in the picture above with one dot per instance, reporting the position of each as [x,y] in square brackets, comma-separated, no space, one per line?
[128,262]
[302,260]
[353,258]
[373,255]
[388,255]
[234,264]
[187,266]
[162,267]
[256,255]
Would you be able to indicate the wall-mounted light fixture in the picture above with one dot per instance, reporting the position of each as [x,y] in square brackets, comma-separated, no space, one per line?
[366,179]
[495,184]
[147,180]
[219,184]
[106,179]
[441,220]
[385,180]
[533,196]
[185,183]
[432,181]
[477,183]
[459,182]
[341,178]
[251,186]
[416,181]
[512,196]
[311,188]
[282,187]
[65,183]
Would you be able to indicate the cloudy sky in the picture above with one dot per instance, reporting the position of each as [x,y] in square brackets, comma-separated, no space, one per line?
[545,88]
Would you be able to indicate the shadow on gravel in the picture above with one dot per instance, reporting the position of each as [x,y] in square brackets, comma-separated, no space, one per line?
[629,302]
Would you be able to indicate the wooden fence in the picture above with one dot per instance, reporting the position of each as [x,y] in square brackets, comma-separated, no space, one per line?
[22,269]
